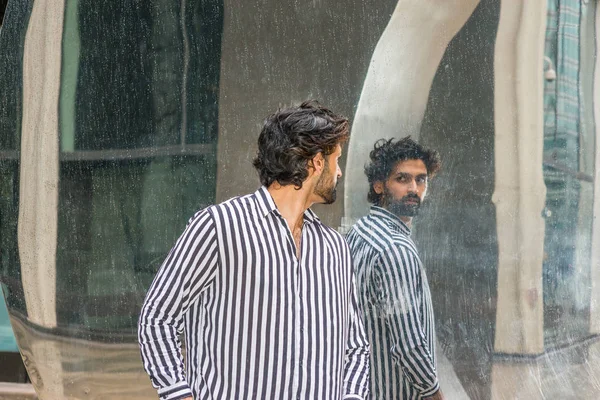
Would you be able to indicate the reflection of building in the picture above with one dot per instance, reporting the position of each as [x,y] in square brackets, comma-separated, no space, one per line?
[157,116]
[508,236]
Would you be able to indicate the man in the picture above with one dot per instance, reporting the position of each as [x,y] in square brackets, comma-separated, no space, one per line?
[262,289]
[393,290]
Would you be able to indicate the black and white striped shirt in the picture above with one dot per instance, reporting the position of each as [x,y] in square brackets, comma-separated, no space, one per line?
[259,323]
[396,304]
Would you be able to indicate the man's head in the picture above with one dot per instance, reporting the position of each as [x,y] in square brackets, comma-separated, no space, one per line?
[297,141]
[398,174]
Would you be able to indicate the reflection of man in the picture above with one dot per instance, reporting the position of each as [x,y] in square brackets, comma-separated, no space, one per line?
[263,290]
[397,85]
[392,285]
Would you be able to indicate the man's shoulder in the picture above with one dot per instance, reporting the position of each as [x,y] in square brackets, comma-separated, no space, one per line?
[405,244]
[377,235]
[400,239]
[239,202]
[372,232]
[223,208]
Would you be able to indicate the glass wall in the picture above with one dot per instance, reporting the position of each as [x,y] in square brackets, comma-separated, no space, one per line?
[119,120]
[138,123]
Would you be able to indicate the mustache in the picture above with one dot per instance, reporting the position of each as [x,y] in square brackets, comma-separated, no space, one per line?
[411,197]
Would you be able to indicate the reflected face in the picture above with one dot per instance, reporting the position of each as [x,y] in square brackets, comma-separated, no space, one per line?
[326,187]
[405,188]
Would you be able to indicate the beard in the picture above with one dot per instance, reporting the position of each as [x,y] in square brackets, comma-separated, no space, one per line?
[407,206]
[326,188]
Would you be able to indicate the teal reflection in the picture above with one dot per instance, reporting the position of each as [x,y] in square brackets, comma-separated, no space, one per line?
[7,338]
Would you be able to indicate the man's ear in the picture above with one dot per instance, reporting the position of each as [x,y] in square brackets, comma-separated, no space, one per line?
[378,187]
[317,163]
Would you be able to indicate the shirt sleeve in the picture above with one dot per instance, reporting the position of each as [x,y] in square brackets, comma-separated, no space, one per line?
[398,293]
[189,268]
[356,368]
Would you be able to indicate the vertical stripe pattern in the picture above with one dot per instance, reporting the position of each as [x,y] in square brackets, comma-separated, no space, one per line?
[396,303]
[259,323]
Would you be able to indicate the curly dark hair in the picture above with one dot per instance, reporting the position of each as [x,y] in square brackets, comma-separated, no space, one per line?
[387,153]
[293,136]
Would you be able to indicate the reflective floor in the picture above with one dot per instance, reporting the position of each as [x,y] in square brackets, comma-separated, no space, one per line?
[63,365]
[570,373]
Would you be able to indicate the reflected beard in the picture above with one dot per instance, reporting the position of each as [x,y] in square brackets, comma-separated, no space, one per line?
[402,207]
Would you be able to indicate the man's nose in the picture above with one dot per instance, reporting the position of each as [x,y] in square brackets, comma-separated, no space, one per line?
[412,186]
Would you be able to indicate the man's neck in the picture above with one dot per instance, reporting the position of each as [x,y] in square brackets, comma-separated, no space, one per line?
[291,202]
[406,220]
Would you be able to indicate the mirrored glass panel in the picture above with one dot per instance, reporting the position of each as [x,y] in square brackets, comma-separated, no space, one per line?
[120,120]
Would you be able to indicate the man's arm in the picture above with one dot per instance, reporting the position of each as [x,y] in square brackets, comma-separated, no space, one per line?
[356,367]
[397,291]
[188,269]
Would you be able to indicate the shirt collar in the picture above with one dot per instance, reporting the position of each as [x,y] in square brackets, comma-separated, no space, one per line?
[391,219]
[266,205]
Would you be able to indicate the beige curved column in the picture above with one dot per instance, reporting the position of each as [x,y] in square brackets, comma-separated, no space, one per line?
[38,197]
[519,196]
[520,192]
[396,88]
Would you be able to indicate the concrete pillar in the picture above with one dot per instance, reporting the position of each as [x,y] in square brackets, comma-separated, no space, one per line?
[520,192]
[38,197]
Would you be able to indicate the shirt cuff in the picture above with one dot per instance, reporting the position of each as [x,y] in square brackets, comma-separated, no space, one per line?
[179,390]
[352,397]
[432,391]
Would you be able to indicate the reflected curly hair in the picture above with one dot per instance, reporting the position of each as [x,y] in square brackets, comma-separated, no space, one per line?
[291,137]
[387,153]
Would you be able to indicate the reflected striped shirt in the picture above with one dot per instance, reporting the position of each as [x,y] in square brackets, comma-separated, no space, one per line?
[396,303]
[259,323]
